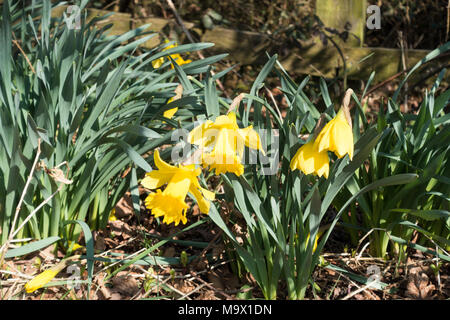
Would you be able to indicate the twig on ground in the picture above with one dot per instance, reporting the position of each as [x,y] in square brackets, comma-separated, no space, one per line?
[211,287]
[367,286]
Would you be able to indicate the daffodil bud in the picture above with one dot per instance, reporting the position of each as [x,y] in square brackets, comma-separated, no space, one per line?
[184,258]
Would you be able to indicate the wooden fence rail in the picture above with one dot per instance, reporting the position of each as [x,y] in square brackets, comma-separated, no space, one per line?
[313,58]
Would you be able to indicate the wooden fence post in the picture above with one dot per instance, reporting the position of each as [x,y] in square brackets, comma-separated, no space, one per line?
[337,13]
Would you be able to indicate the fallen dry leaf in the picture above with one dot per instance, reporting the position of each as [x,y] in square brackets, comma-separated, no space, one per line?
[419,286]
[124,208]
[183,285]
[99,242]
[125,285]
[215,280]
[169,252]
[121,228]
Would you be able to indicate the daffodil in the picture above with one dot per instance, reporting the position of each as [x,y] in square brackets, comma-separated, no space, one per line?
[178,94]
[112,215]
[171,112]
[158,63]
[309,160]
[176,57]
[315,241]
[222,143]
[336,136]
[43,278]
[180,180]
[179,60]
[76,246]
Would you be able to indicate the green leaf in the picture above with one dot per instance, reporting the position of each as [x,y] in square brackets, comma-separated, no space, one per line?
[31,247]
[430,56]
[257,85]
[361,279]
[136,157]
[138,130]
[388,181]
[428,215]
[363,148]
[420,248]
[211,100]
[89,240]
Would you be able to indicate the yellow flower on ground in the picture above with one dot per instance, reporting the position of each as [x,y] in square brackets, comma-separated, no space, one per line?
[309,160]
[226,142]
[170,203]
[336,136]
[43,278]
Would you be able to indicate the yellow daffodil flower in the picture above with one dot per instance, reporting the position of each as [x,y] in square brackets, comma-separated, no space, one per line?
[226,141]
[178,94]
[76,246]
[43,278]
[176,57]
[112,215]
[315,241]
[309,160]
[336,136]
[170,203]
[158,63]
[179,60]
[171,112]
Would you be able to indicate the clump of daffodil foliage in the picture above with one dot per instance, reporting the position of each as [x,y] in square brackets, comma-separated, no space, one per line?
[282,173]
[304,160]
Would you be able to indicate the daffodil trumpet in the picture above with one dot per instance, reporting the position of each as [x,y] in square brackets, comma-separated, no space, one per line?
[170,203]
[337,135]
[309,160]
[222,143]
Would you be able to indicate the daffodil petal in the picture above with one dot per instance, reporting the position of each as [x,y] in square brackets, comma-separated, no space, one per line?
[199,134]
[42,279]
[161,164]
[155,179]
[170,113]
[203,203]
[251,138]
[336,136]
[310,161]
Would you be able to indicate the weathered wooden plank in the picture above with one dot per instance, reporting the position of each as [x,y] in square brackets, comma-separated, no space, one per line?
[243,46]
[122,22]
[314,58]
[251,47]
[360,62]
